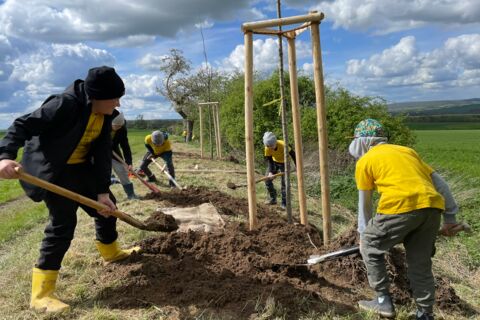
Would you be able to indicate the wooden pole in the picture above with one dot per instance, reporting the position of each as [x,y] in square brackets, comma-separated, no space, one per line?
[219,132]
[252,197]
[252,26]
[214,116]
[200,119]
[322,132]
[297,132]
[283,106]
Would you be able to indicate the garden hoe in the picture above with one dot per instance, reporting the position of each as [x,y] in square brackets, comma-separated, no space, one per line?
[88,202]
[162,169]
[234,186]
[148,185]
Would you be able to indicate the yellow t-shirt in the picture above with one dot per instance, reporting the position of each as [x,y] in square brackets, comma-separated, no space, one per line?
[92,131]
[277,155]
[158,150]
[400,176]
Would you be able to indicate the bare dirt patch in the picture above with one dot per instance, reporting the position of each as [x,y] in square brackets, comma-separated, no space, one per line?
[233,273]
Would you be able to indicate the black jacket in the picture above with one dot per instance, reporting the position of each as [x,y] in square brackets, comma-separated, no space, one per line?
[51,133]
[120,140]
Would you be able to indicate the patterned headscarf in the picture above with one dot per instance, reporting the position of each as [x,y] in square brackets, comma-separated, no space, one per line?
[369,128]
[368,133]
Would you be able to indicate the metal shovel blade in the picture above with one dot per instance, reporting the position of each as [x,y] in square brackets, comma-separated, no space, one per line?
[314,259]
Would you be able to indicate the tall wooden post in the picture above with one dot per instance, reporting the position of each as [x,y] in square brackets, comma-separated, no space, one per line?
[252,197]
[219,136]
[215,126]
[200,119]
[322,131]
[297,132]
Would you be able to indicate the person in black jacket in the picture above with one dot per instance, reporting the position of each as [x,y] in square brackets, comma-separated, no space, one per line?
[120,140]
[67,142]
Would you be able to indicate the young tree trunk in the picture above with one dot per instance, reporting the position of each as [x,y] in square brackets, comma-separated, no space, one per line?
[189,129]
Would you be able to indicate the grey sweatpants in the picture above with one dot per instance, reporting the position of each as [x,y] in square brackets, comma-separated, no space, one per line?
[121,172]
[417,230]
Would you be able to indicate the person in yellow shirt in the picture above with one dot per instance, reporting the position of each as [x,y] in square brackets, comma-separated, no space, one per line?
[184,135]
[275,156]
[412,199]
[67,142]
[158,145]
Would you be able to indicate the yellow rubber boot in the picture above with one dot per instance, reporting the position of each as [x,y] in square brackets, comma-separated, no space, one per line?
[112,252]
[43,287]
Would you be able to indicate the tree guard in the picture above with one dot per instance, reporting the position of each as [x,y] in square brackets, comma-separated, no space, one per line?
[216,127]
[311,20]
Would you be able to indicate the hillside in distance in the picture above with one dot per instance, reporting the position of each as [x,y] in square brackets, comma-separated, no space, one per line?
[415,108]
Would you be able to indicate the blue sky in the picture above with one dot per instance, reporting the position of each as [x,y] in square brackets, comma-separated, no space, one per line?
[400,50]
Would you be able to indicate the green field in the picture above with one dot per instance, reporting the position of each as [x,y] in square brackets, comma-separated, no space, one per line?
[444,125]
[456,155]
[455,151]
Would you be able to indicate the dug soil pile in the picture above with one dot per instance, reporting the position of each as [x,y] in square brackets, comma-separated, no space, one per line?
[239,274]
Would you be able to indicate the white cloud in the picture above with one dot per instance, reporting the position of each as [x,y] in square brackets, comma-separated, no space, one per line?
[454,64]
[205,24]
[142,86]
[384,16]
[132,41]
[67,21]
[265,55]
[151,62]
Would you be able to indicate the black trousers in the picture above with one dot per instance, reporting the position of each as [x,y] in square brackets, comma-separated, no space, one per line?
[167,156]
[59,232]
[277,167]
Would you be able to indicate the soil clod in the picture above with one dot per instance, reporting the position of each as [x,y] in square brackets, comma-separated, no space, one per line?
[160,221]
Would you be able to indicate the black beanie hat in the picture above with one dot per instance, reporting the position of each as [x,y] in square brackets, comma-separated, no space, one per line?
[103,83]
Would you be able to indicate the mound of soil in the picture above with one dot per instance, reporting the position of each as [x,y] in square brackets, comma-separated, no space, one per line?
[235,273]
[160,221]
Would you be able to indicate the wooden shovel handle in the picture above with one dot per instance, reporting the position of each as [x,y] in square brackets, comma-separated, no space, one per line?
[148,185]
[271,177]
[77,197]
[169,176]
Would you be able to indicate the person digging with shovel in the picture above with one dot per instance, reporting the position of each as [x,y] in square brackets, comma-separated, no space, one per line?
[412,199]
[158,145]
[275,156]
[120,140]
[67,142]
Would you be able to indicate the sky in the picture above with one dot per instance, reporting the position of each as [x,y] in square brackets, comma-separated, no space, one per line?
[400,50]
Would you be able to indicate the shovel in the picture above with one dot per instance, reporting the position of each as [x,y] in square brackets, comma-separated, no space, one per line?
[314,259]
[234,186]
[81,199]
[166,173]
[148,185]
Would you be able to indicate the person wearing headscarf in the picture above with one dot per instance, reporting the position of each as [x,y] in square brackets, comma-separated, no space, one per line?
[413,198]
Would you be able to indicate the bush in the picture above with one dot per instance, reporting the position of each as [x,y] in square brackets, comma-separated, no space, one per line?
[344,111]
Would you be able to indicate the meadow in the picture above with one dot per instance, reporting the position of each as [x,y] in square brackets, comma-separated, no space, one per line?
[454,153]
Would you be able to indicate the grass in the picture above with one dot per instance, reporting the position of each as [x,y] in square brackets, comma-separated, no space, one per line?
[22,223]
[20,216]
[444,125]
[10,189]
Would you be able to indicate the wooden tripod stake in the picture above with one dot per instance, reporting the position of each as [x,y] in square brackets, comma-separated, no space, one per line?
[312,20]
